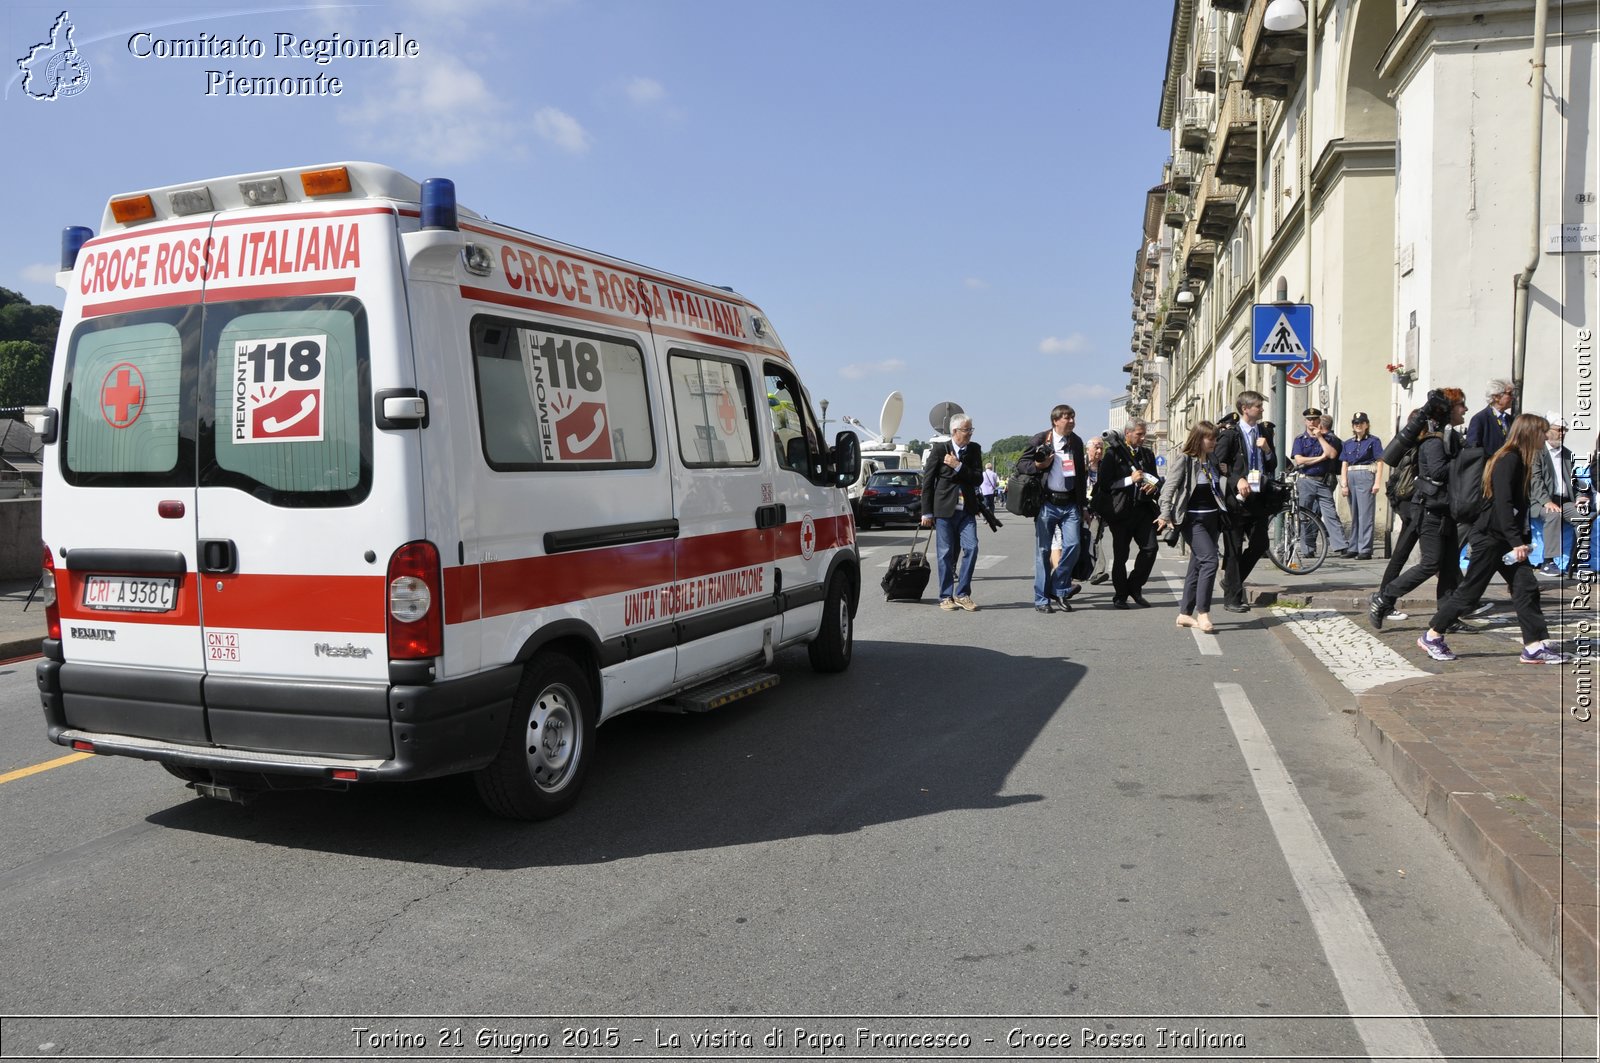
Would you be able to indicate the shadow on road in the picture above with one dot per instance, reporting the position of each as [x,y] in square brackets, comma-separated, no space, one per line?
[906,732]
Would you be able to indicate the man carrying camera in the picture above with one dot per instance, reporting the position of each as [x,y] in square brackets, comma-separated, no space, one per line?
[1128,499]
[1056,457]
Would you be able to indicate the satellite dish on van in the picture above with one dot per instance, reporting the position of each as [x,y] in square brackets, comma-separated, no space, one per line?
[889,420]
[939,416]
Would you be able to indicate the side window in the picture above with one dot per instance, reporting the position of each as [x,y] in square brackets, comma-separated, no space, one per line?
[711,404]
[553,398]
[791,422]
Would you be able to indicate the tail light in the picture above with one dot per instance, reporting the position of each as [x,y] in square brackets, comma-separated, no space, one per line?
[916,492]
[416,604]
[52,608]
[871,492]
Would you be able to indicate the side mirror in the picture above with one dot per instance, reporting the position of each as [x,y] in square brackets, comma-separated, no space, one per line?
[846,458]
[798,455]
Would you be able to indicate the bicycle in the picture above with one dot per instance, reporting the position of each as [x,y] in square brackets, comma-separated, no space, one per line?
[1292,524]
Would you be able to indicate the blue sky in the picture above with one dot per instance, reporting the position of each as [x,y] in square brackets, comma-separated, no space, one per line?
[938,198]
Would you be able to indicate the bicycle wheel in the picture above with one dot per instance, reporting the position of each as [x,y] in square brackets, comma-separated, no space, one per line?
[1289,550]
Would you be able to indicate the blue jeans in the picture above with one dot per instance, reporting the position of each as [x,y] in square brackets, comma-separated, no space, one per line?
[1056,584]
[957,532]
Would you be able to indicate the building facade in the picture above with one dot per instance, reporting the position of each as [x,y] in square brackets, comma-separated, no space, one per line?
[1379,162]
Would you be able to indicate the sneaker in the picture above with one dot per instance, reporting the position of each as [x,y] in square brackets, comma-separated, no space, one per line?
[1549,569]
[1099,578]
[1542,655]
[964,601]
[948,603]
[1435,648]
[1395,614]
[1376,611]
[1480,609]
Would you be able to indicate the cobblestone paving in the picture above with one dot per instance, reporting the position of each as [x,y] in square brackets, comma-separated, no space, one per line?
[1356,658]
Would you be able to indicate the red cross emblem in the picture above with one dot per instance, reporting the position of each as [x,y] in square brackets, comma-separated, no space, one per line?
[727,415]
[808,537]
[122,395]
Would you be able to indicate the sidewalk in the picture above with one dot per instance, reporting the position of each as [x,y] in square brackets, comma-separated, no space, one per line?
[21,630]
[1490,751]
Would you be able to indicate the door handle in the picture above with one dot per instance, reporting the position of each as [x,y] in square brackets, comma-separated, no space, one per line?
[218,555]
[771,516]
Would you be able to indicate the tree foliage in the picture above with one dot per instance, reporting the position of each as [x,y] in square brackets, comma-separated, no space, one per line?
[27,341]
[24,373]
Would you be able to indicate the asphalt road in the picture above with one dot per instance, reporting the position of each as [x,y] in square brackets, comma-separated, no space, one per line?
[992,822]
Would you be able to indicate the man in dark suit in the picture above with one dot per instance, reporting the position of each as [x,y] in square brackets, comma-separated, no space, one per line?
[1490,426]
[1056,457]
[950,478]
[1127,496]
[1247,460]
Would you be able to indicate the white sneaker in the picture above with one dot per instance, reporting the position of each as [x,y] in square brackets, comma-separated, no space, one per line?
[1398,615]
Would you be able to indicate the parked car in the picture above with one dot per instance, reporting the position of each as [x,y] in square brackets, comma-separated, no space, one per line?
[891,497]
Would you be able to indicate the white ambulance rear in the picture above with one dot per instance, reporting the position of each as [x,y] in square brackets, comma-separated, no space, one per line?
[344,484]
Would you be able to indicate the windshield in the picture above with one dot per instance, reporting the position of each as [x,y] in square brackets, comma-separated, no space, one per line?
[895,479]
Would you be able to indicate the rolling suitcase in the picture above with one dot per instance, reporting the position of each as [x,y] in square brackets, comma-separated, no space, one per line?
[908,573]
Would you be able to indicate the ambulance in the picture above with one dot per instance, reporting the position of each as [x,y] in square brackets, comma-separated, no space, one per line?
[346,484]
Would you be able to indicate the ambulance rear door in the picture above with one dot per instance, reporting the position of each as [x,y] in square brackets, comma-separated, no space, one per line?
[119,514]
[302,501]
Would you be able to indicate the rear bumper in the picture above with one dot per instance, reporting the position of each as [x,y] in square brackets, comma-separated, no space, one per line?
[300,728]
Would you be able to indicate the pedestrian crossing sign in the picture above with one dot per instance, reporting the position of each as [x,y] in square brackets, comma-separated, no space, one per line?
[1280,333]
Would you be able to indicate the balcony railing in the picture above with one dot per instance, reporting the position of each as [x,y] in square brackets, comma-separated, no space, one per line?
[1195,124]
[1236,139]
[1273,62]
[1201,260]
[1219,211]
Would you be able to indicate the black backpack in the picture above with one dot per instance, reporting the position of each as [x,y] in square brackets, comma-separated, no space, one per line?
[1466,485]
[1403,477]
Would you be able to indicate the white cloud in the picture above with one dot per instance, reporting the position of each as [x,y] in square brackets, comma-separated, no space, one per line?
[1073,344]
[860,370]
[39,273]
[975,282]
[562,130]
[436,103]
[645,91]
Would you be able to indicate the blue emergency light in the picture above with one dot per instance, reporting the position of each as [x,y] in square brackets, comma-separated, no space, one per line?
[73,237]
[439,203]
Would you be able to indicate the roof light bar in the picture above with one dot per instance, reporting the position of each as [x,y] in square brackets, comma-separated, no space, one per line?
[191,200]
[133,208]
[330,182]
[263,192]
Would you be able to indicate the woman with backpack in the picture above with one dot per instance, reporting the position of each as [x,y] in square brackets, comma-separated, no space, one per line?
[1501,542]
[1435,528]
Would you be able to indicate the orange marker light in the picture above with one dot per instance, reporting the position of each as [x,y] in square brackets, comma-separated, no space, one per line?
[132,209]
[325,182]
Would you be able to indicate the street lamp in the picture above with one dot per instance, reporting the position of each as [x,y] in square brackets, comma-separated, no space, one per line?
[824,405]
[1284,15]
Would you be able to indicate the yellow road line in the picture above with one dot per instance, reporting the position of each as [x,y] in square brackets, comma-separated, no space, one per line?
[23,773]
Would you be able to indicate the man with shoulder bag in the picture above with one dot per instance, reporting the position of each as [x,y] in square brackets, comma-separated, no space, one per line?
[1056,457]
[1128,500]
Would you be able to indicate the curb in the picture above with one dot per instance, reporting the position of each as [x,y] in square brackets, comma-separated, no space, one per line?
[12,647]
[1524,875]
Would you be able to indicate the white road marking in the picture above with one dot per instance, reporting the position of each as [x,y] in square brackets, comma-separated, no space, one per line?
[1385,1016]
[989,560]
[1209,646]
[1354,656]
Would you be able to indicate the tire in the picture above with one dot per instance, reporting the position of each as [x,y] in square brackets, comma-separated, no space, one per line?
[830,651]
[1289,553]
[187,774]
[548,745]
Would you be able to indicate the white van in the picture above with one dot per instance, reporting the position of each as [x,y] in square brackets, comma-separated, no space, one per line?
[344,484]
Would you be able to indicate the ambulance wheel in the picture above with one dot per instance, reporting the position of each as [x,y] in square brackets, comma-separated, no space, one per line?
[830,650]
[188,774]
[548,744]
